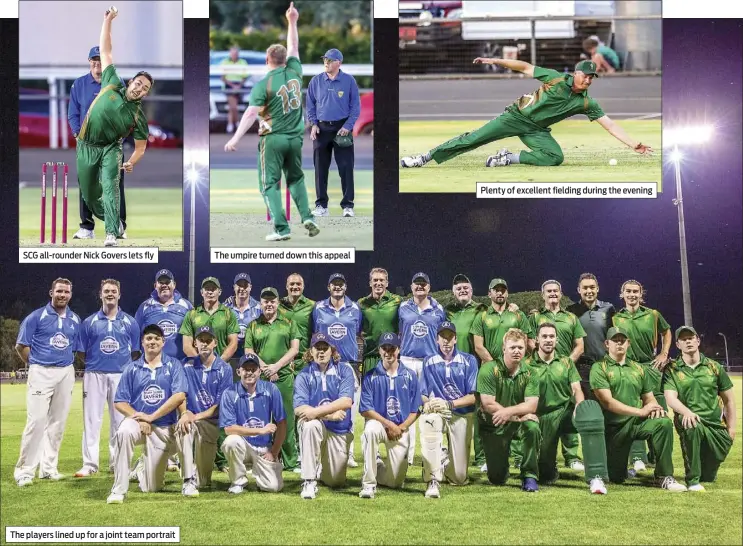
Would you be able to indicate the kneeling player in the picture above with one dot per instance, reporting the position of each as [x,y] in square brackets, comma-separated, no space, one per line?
[691,385]
[390,399]
[208,377]
[149,392]
[448,385]
[323,396]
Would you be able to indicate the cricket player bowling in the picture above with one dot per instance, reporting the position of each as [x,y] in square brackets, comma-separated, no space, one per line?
[559,97]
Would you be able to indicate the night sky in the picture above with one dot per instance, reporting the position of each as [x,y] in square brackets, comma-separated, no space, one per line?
[524,242]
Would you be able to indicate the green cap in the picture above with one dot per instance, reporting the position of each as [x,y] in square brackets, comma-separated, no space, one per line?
[587,67]
[269,291]
[614,331]
[496,282]
[681,329]
[214,280]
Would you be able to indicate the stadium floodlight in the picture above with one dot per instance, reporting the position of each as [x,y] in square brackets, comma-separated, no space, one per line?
[692,134]
[194,162]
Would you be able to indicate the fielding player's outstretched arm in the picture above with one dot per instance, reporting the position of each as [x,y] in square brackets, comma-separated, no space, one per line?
[617,132]
[292,36]
[518,66]
[105,40]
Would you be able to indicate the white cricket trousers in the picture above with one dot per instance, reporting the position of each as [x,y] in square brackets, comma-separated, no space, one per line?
[458,432]
[198,447]
[98,389]
[391,470]
[48,399]
[326,449]
[415,364]
[238,452]
[156,447]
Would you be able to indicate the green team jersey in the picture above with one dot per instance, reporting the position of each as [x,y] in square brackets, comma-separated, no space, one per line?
[379,316]
[555,100]
[463,316]
[627,383]
[568,326]
[223,322]
[279,95]
[642,327]
[237,76]
[111,115]
[491,326]
[271,340]
[555,381]
[495,379]
[699,387]
[300,314]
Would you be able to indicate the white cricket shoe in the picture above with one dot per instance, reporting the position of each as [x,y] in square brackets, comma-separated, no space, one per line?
[433,490]
[320,211]
[484,468]
[367,492]
[672,485]
[309,489]
[189,489]
[84,233]
[577,465]
[638,466]
[311,227]
[597,486]
[54,476]
[275,236]
[113,498]
[110,240]
[235,489]
[348,212]
[84,472]
[413,161]
[351,463]
[697,488]
[24,481]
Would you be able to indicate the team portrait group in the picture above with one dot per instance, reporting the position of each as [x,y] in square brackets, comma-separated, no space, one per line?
[260,386]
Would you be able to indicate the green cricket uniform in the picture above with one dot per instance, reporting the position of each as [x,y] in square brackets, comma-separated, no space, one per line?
[706,445]
[491,326]
[300,314]
[463,316]
[627,383]
[529,119]
[223,322]
[380,316]
[271,341]
[495,379]
[281,131]
[110,118]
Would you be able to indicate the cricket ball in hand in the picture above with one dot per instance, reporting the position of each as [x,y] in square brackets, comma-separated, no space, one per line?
[613,162]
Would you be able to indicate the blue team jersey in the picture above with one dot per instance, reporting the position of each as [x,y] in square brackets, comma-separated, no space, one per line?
[450,381]
[393,397]
[315,388]
[108,344]
[169,318]
[244,318]
[341,327]
[256,411]
[205,386]
[418,328]
[147,389]
[52,339]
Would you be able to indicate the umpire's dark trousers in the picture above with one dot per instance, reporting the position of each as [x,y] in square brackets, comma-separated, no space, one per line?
[86,217]
[323,148]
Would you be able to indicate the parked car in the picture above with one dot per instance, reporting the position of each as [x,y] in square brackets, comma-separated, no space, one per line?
[217,96]
[365,124]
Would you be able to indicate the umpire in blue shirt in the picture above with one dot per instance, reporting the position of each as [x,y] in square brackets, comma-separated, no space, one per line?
[333,106]
[83,92]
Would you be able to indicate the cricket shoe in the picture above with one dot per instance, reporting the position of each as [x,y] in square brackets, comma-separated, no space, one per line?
[529,485]
[276,236]
[351,463]
[498,160]
[110,240]
[577,466]
[348,212]
[320,211]
[433,491]
[24,481]
[597,486]
[189,489]
[309,489]
[413,161]
[697,488]
[84,472]
[367,492]
[84,233]
[669,484]
[311,227]
[54,476]
[113,498]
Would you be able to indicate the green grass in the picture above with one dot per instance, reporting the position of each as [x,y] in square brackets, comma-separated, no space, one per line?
[586,146]
[234,191]
[564,513]
[154,218]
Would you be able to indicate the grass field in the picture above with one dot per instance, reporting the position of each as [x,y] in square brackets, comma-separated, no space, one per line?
[564,513]
[154,219]
[586,146]
[238,212]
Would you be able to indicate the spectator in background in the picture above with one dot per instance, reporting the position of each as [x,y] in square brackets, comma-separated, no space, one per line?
[233,83]
[606,59]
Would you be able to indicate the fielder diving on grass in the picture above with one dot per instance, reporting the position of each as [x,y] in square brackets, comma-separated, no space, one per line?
[529,118]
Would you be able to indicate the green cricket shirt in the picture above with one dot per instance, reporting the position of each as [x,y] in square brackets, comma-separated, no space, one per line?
[301,315]
[568,326]
[627,383]
[491,326]
[463,316]
[495,379]
[379,316]
[698,388]
[279,95]
[111,115]
[271,340]
[555,100]
[555,381]
[223,322]
[642,327]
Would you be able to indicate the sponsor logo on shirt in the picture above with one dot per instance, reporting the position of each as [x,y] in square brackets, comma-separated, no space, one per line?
[59,341]
[253,422]
[153,395]
[393,407]
[337,331]
[419,329]
[109,345]
[204,398]
[169,328]
[451,391]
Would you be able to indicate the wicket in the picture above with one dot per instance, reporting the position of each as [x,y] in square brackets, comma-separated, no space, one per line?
[55,179]
[288,205]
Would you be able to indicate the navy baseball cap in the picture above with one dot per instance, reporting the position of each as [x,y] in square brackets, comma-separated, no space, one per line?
[164,273]
[205,330]
[421,275]
[333,54]
[248,360]
[319,337]
[335,277]
[242,277]
[94,52]
[446,325]
[388,338]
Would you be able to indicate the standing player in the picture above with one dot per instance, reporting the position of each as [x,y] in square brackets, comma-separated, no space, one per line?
[380,311]
[109,340]
[692,384]
[529,118]
[277,99]
[99,141]
[420,318]
[462,312]
[208,376]
[252,414]
[245,307]
[390,400]
[448,384]
[323,396]
[46,341]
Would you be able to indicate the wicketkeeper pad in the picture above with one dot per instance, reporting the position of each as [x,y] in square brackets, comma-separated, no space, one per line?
[589,422]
